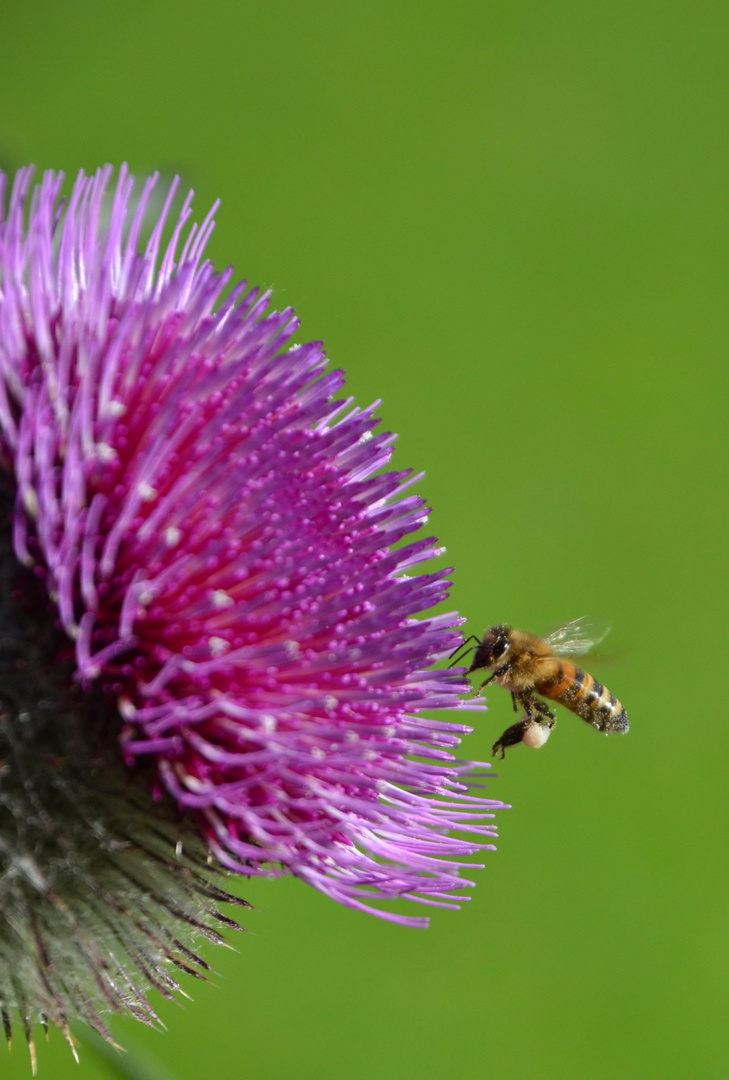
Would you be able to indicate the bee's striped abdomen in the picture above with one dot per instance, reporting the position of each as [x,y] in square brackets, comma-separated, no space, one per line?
[585,696]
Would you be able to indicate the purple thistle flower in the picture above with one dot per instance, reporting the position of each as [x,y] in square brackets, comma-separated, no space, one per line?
[234,574]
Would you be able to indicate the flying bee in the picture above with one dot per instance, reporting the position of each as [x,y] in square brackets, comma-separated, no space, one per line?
[527,666]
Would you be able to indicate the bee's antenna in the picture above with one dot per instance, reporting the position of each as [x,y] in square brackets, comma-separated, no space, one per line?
[466,649]
[471,637]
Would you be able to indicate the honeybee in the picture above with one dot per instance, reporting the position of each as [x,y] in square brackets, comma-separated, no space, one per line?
[527,665]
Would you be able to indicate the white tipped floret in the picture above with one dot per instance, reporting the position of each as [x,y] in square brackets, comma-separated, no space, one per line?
[30,501]
[105,452]
[221,599]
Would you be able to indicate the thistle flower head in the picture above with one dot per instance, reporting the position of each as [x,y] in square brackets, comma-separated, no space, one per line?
[226,582]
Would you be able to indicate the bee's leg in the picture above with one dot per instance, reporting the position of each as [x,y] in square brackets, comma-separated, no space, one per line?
[515,701]
[495,675]
[512,736]
[543,709]
[529,703]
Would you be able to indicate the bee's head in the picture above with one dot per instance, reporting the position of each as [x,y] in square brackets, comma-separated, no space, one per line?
[493,648]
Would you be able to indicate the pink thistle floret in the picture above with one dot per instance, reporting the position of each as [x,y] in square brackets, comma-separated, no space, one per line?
[222,545]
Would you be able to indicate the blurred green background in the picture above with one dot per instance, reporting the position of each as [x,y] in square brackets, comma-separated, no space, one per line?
[509,221]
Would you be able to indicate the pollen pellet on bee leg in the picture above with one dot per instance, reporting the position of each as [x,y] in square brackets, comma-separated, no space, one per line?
[535,735]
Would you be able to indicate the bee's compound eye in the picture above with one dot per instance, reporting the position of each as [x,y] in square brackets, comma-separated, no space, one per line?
[535,735]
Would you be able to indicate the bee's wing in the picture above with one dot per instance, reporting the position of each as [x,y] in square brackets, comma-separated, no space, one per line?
[577,637]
